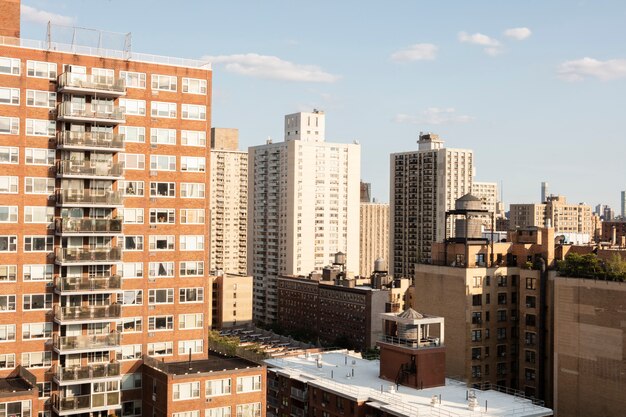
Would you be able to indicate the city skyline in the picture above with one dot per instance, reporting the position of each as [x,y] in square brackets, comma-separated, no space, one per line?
[395,70]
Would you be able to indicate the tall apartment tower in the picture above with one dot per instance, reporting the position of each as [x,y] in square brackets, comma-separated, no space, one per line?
[424,185]
[229,203]
[303,207]
[623,204]
[374,236]
[103,195]
[544,192]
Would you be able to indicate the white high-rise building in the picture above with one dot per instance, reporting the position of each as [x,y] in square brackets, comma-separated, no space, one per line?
[303,207]
[424,185]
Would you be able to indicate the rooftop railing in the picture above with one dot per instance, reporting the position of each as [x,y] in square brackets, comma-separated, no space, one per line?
[71,80]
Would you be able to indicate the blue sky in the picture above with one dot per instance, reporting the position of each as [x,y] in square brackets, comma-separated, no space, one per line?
[543,102]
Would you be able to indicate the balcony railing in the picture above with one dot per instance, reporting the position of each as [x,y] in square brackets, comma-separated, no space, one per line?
[88,255]
[78,225]
[78,373]
[89,169]
[96,112]
[86,313]
[98,140]
[74,81]
[78,197]
[70,284]
[424,343]
[85,402]
[98,341]
[299,394]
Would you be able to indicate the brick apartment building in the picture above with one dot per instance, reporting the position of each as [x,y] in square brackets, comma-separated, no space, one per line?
[104,185]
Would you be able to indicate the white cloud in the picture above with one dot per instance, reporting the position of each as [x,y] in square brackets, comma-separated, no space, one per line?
[417,52]
[31,14]
[492,46]
[518,33]
[434,116]
[271,67]
[580,69]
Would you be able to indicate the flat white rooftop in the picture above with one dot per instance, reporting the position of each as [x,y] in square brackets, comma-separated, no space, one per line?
[335,374]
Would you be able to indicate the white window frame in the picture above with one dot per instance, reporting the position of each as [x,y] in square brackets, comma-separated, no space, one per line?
[161,82]
[193,138]
[133,216]
[193,112]
[194,86]
[41,69]
[163,136]
[28,357]
[167,214]
[158,162]
[27,299]
[11,243]
[10,300]
[137,188]
[249,383]
[9,184]
[193,388]
[218,387]
[139,243]
[11,214]
[41,99]
[39,156]
[196,345]
[155,293]
[130,77]
[32,184]
[13,124]
[12,96]
[8,273]
[192,216]
[7,333]
[163,109]
[167,346]
[136,295]
[138,161]
[186,268]
[191,242]
[29,242]
[154,268]
[154,189]
[193,164]
[30,331]
[32,214]
[192,190]
[136,352]
[184,297]
[12,64]
[190,321]
[133,107]
[37,272]
[169,323]
[134,134]
[132,270]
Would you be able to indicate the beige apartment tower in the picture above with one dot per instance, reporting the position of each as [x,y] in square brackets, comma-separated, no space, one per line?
[229,203]
[374,236]
[556,213]
[303,207]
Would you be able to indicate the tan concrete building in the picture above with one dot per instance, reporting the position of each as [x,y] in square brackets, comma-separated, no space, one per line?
[424,185]
[229,203]
[232,300]
[555,212]
[374,236]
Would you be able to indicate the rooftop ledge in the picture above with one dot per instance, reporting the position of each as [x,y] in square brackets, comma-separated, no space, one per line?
[125,55]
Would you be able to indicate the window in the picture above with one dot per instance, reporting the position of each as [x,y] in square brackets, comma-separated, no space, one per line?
[502,298]
[45,99]
[194,413]
[162,215]
[531,301]
[132,270]
[476,335]
[193,112]
[163,82]
[191,295]
[36,331]
[37,359]
[161,242]
[38,243]
[39,215]
[9,126]
[163,109]
[130,325]
[9,66]
[162,189]
[133,134]
[134,79]
[476,353]
[531,283]
[38,156]
[185,346]
[163,162]
[218,387]
[9,96]
[8,243]
[477,317]
[501,333]
[501,315]
[529,374]
[163,136]
[192,216]
[501,280]
[133,243]
[131,188]
[133,216]
[217,411]
[160,349]
[530,356]
[8,214]
[8,185]
[249,383]
[133,160]
[194,86]
[37,272]
[193,163]
[7,361]
[40,69]
[133,107]
[192,138]
[8,273]
[103,75]
[45,389]
[249,410]
[39,185]
[191,242]
[132,297]
[161,296]
[37,301]
[190,321]
[161,269]
[476,300]
[37,127]
[8,155]
[129,352]
[192,190]
[186,391]
[192,269]
[131,408]
[531,320]
[131,381]
[7,332]
[158,323]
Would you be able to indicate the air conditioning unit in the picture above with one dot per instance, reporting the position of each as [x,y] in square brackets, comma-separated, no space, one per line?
[153,173]
[151,307]
[150,334]
[151,279]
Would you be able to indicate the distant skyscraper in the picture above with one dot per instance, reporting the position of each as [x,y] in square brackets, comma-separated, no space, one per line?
[374,235]
[424,185]
[366,192]
[544,192]
[623,208]
[229,203]
[303,206]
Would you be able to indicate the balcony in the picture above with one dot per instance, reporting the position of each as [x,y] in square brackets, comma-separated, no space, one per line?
[74,83]
[85,403]
[74,374]
[81,256]
[87,285]
[87,314]
[94,141]
[89,198]
[98,113]
[87,169]
[298,394]
[78,344]
[80,226]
